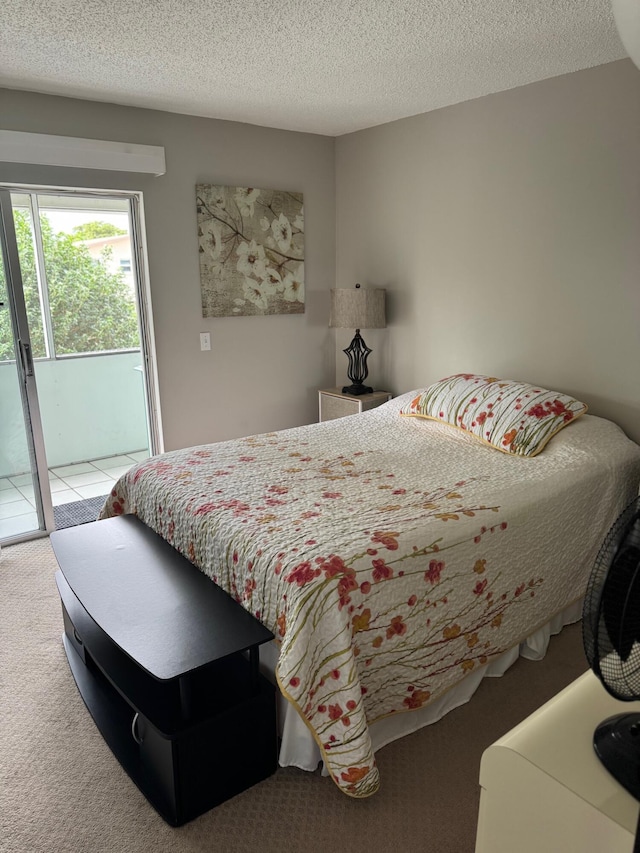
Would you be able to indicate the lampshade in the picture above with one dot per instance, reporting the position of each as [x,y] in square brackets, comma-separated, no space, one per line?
[357,308]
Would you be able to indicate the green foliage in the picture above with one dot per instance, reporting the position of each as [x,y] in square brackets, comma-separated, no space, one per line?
[92,230]
[92,309]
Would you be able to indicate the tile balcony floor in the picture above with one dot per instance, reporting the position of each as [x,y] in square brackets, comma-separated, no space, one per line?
[68,483]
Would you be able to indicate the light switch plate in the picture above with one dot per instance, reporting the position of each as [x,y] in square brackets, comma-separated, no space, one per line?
[205,341]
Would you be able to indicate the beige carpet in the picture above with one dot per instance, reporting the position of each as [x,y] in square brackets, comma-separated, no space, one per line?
[62,791]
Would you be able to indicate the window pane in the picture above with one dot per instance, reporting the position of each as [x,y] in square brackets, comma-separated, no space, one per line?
[88,261]
[27,255]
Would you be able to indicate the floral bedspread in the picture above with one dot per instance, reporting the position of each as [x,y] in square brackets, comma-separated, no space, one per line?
[390,556]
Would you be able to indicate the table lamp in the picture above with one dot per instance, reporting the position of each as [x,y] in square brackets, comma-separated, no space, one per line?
[357,308]
[626,14]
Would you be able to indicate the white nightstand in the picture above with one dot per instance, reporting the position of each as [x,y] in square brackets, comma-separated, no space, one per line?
[542,787]
[334,404]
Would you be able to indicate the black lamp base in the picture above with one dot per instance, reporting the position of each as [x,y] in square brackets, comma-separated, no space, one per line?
[357,389]
[357,353]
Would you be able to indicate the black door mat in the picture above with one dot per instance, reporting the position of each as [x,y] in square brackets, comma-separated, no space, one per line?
[78,512]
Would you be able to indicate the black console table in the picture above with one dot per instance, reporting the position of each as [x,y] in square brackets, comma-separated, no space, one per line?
[167,664]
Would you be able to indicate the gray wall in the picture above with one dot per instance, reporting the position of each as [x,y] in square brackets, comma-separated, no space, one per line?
[507,232]
[262,372]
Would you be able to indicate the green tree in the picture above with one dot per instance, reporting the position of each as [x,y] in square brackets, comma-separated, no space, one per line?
[92,230]
[92,309]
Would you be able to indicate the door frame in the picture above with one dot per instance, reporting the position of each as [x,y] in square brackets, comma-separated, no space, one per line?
[26,375]
[140,263]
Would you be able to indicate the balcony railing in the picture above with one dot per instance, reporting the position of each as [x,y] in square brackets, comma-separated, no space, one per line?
[91,407]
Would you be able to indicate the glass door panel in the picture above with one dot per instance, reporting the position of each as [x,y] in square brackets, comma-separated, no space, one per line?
[91,383]
[23,509]
[30,273]
[88,253]
[74,323]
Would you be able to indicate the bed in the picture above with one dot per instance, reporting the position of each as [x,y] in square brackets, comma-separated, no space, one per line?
[397,560]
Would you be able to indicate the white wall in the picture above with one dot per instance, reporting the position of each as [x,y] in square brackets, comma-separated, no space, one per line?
[262,372]
[507,233]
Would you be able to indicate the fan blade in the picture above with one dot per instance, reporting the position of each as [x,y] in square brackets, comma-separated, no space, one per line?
[621,600]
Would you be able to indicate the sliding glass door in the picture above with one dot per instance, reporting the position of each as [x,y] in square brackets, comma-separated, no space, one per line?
[76,325]
[25,507]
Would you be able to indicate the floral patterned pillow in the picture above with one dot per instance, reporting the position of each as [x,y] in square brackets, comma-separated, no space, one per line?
[513,417]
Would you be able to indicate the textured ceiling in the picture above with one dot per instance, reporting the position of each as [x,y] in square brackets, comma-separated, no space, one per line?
[325,66]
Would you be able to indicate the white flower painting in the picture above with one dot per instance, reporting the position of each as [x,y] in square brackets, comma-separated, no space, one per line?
[251,245]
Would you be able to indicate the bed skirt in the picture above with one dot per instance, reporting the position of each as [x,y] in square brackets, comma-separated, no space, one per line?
[299,749]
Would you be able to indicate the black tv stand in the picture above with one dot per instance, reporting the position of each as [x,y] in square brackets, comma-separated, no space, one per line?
[167,664]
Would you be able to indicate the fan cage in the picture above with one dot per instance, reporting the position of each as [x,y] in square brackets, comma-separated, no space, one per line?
[611,610]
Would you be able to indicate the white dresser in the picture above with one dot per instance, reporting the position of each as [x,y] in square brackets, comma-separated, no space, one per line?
[544,790]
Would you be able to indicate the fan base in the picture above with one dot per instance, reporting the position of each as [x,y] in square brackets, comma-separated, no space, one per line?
[617,744]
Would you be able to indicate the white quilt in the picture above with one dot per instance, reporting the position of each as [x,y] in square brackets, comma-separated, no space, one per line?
[391,556]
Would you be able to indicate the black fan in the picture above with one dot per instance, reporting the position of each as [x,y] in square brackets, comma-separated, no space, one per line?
[611,636]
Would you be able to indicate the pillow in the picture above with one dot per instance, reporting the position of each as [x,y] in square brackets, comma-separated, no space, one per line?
[511,416]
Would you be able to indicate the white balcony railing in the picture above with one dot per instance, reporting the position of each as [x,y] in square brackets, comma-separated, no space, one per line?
[91,407]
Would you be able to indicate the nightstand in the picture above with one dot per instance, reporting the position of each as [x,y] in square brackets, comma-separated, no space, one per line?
[334,404]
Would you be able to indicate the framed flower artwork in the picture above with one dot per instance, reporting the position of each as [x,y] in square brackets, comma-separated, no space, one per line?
[251,246]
